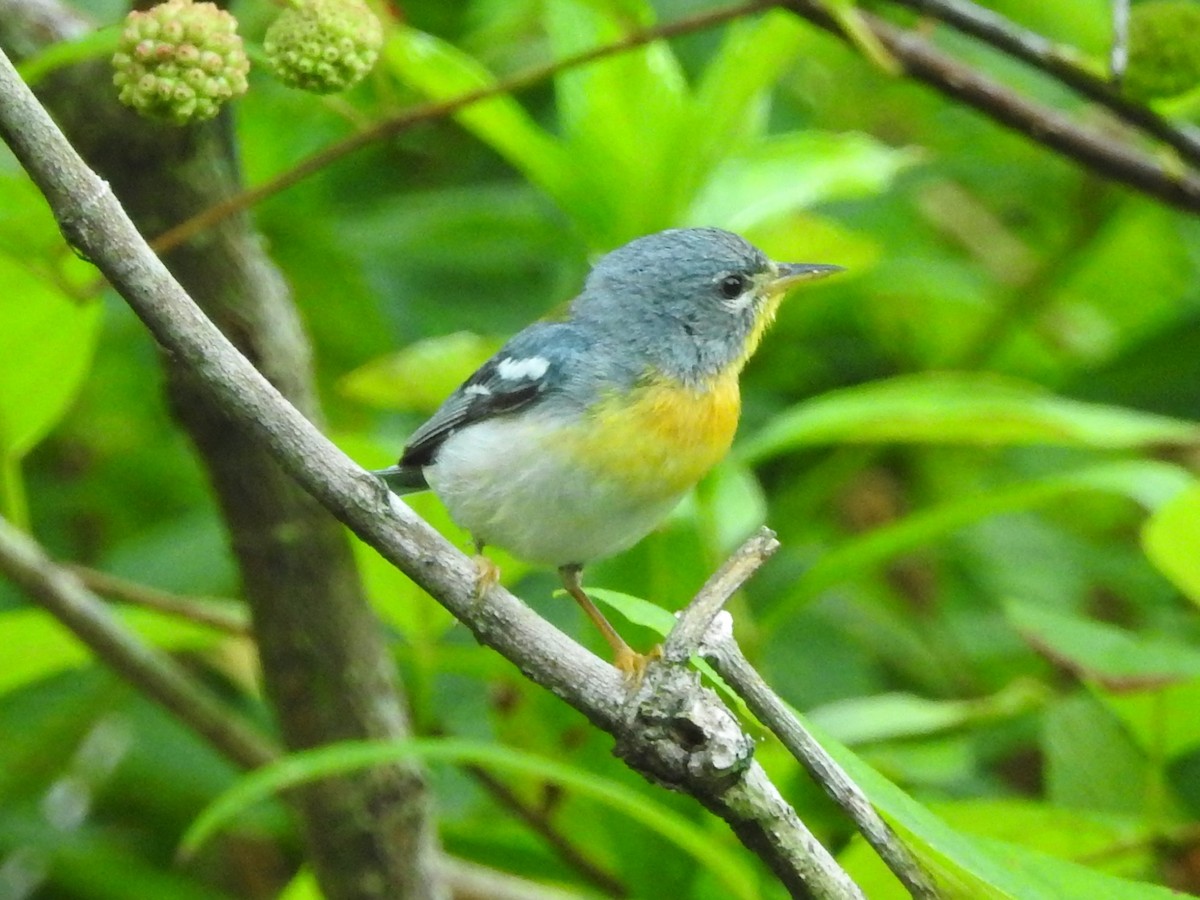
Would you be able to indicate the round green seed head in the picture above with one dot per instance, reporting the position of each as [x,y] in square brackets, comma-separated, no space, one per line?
[1164,48]
[323,46]
[179,61]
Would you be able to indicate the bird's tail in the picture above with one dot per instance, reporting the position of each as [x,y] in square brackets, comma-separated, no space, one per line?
[403,479]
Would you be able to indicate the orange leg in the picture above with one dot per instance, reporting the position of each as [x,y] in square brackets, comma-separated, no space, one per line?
[628,660]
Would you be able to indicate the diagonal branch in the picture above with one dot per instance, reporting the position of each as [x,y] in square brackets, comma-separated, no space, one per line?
[696,747]
[726,656]
[61,593]
[1113,159]
[1041,53]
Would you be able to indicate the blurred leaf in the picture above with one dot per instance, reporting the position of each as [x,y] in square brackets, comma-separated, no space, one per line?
[1171,539]
[443,72]
[302,887]
[1162,721]
[97,44]
[976,868]
[1114,657]
[422,375]
[46,344]
[40,646]
[962,408]
[732,504]
[622,119]
[732,93]
[1090,762]
[794,171]
[299,768]
[1148,483]
[897,716]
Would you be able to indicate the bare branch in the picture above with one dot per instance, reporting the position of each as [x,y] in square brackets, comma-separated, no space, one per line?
[1046,125]
[206,611]
[1041,53]
[726,657]
[694,620]
[696,747]
[146,667]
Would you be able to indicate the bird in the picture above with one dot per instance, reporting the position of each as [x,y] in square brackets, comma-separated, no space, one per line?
[581,434]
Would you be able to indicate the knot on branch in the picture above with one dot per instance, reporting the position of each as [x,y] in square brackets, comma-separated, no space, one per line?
[679,734]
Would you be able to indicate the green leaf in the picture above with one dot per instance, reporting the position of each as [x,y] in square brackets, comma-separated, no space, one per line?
[975,868]
[443,72]
[93,44]
[1146,482]
[898,716]
[1095,651]
[46,345]
[40,646]
[962,408]
[733,873]
[732,93]
[1171,539]
[793,171]
[419,377]
[1090,760]
[622,119]
[1163,721]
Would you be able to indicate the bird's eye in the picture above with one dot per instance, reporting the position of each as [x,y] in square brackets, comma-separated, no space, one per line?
[732,286]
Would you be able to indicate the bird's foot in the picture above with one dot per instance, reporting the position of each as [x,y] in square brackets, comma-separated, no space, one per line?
[487,575]
[633,665]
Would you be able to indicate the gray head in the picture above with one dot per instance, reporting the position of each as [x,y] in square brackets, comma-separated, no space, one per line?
[689,301]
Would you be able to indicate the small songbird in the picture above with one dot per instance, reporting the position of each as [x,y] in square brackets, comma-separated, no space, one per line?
[581,435]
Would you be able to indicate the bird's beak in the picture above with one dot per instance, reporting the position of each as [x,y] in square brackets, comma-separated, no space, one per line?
[788,275]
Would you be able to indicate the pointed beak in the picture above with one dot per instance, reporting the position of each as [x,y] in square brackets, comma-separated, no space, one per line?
[788,275]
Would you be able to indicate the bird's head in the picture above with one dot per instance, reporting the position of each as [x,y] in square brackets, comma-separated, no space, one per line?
[695,300]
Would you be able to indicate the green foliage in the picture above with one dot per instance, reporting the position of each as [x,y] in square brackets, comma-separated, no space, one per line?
[978,448]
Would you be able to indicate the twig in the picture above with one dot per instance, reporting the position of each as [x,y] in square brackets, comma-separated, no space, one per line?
[1043,124]
[727,658]
[540,823]
[1043,54]
[694,620]
[151,670]
[701,750]
[204,611]
[427,112]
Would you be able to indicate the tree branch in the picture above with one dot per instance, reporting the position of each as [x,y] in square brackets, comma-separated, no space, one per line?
[326,669]
[150,670]
[1043,54]
[695,746]
[214,613]
[726,656]
[694,620]
[1044,124]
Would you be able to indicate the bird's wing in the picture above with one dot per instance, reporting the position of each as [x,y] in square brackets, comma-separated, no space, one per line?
[533,362]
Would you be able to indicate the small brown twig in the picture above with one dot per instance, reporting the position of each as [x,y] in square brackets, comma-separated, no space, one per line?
[203,610]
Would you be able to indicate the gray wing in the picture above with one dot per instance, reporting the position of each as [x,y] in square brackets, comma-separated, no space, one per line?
[533,362]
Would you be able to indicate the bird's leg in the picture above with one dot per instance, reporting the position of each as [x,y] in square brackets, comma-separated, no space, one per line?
[487,573]
[628,660]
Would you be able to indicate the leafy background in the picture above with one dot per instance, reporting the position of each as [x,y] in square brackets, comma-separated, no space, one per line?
[978,447]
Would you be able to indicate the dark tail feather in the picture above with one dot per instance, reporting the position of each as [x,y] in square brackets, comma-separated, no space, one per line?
[403,479]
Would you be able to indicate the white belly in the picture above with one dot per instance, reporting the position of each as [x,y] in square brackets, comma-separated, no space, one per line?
[511,486]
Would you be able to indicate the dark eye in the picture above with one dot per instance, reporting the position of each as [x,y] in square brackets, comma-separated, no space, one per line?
[732,286]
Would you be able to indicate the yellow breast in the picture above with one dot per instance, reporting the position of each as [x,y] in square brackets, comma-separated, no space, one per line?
[663,438]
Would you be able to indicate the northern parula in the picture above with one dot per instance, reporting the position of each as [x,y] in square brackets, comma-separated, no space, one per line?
[579,436]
